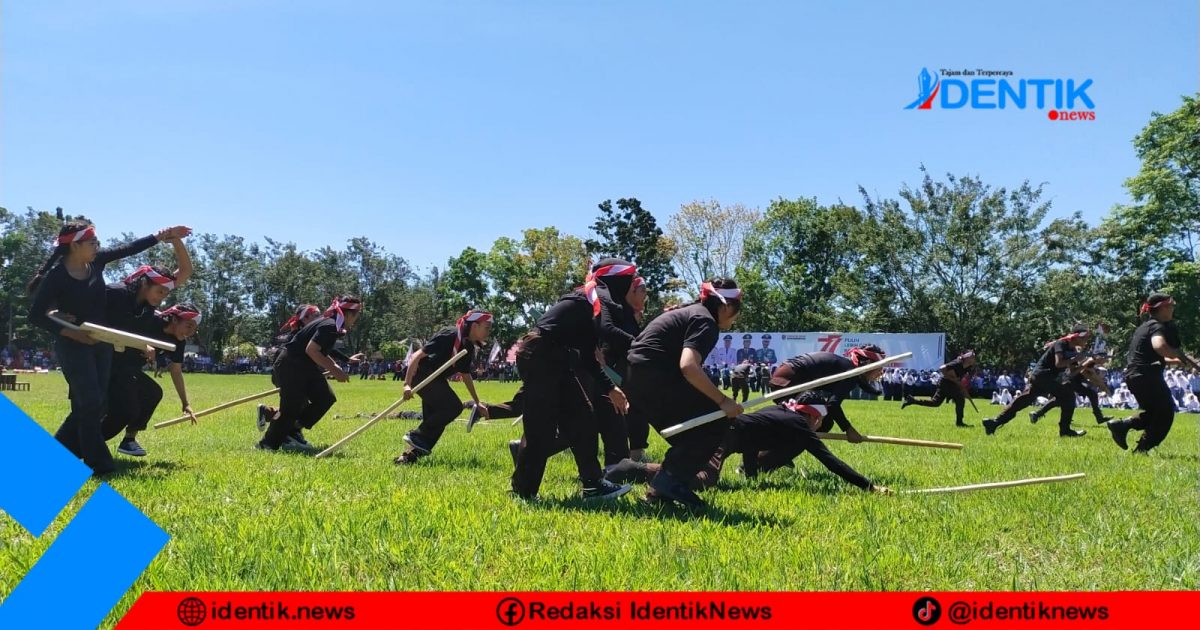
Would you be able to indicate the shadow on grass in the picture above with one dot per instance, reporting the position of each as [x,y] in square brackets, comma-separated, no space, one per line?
[632,505]
[1184,457]
[141,468]
[808,481]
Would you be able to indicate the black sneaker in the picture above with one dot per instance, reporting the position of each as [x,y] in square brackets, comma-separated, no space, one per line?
[297,436]
[989,426]
[1034,417]
[1072,433]
[417,444]
[1102,419]
[908,400]
[473,417]
[1119,434]
[298,445]
[263,447]
[514,448]
[666,487]
[261,421]
[963,425]
[131,448]
[604,490]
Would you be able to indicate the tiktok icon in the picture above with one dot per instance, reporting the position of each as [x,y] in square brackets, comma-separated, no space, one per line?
[927,611]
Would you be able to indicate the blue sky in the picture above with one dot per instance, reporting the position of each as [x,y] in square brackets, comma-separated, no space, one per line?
[433,126]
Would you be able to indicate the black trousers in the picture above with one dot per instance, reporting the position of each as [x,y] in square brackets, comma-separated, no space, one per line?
[740,385]
[132,398]
[556,403]
[947,390]
[1079,388]
[439,407]
[1158,410]
[619,434]
[781,435]
[304,398]
[1047,386]
[87,370]
[614,433]
[668,399]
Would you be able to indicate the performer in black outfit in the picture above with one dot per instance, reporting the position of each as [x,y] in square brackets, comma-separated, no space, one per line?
[1085,383]
[952,386]
[72,282]
[558,367]
[812,366]
[439,404]
[666,380]
[303,316]
[1060,361]
[132,395]
[619,297]
[1155,344]
[789,429]
[304,394]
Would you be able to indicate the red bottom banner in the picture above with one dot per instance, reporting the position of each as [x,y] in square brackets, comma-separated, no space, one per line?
[661,610]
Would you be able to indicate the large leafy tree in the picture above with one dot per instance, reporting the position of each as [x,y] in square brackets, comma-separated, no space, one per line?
[629,231]
[963,257]
[1155,238]
[708,239]
[799,267]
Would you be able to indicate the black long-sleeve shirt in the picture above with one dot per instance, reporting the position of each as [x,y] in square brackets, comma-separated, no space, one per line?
[617,328]
[571,323]
[771,427]
[85,299]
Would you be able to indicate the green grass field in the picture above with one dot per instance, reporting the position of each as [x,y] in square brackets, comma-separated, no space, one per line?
[241,519]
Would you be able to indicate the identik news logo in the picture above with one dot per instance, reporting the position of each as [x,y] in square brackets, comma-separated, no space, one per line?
[85,571]
[1065,99]
[192,611]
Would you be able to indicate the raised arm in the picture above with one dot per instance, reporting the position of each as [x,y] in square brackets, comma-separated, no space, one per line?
[184,259]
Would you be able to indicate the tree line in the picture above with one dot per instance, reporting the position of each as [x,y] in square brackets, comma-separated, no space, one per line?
[979,261]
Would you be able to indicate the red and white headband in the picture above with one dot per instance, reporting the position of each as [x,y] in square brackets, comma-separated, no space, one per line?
[475,316]
[471,316]
[589,283]
[707,290]
[85,234]
[613,270]
[859,354]
[336,310]
[155,277]
[179,313]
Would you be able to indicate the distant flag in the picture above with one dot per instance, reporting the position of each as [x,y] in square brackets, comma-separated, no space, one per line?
[408,355]
[495,352]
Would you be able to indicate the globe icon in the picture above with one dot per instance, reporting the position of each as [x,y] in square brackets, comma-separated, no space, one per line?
[192,612]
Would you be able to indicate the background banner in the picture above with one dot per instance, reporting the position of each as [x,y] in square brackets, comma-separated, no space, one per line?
[772,348]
